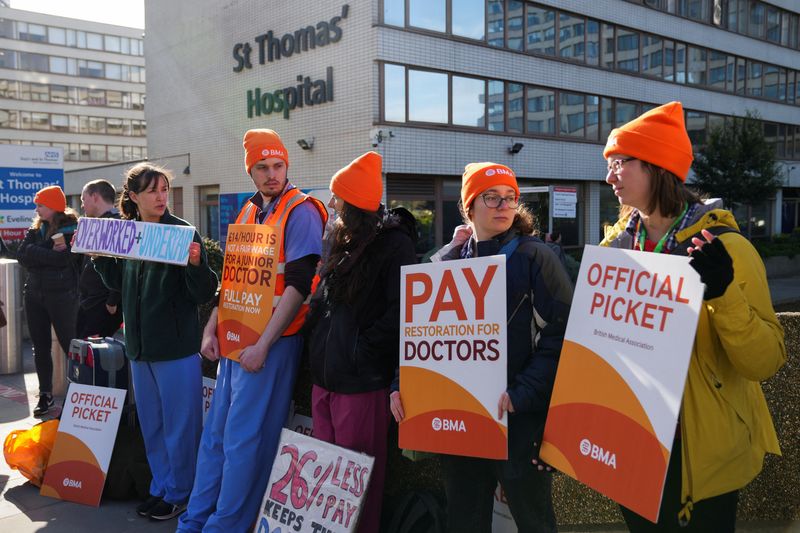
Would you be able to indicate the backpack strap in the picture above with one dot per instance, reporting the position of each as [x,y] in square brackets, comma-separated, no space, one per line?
[680,248]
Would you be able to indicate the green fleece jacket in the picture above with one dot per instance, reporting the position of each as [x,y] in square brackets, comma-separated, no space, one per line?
[159,302]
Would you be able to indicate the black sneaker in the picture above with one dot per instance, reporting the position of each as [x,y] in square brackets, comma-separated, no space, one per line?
[45,403]
[164,510]
[144,508]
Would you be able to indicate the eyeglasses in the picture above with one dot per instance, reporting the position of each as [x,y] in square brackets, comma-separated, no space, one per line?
[493,201]
[615,165]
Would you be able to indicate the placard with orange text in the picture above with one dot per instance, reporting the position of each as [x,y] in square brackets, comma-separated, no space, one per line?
[78,465]
[247,293]
[620,378]
[453,357]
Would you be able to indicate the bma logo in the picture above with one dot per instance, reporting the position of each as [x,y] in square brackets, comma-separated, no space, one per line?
[75,484]
[444,424]
[493,171]
[51,154]
[266,152]
[598,454]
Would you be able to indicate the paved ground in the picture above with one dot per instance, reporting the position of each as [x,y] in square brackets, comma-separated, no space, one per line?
[23,510]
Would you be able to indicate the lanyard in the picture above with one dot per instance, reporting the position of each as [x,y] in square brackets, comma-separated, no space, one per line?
[642,231]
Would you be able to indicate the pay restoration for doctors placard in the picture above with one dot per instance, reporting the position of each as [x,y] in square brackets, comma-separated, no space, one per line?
[621,375]
[453,357]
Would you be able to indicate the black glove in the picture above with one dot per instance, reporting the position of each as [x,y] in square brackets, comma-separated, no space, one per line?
[715,267]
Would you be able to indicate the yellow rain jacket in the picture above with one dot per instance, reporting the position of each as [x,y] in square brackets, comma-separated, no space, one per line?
[725,426]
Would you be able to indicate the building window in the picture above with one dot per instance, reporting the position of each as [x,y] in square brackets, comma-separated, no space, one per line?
[495,23]
[541,31]
[176,201]
[427,96]
[516,108]
[652,56]
[32,32]
[627,50]
[209,212]
[541,111]
[571,32]
[593,43]
[571,114]
[394,93]
[394,12]
[57,36]
[497,100]
[696,66]
[469,18]
[469,102]
[428,14]
[34,62]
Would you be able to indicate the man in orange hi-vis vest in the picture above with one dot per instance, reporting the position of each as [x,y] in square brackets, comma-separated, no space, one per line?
[252,397]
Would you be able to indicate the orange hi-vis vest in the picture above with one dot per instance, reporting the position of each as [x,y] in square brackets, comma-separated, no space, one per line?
[288,201]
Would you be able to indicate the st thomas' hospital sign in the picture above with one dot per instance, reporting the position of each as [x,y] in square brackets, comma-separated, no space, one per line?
[268,47]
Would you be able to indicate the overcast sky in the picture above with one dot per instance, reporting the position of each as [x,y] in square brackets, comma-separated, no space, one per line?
[120,12]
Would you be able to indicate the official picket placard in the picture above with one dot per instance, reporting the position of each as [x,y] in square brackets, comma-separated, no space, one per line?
[24,170]
[84,442]
[314,487]
[131,239]
[209,385]
[621,375]
[453,357]
[248,286]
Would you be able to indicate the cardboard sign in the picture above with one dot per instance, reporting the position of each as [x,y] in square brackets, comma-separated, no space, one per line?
[453,357]
[248,286]
[621,375]
[84,442]
[314,487]
[502,521]
[131,239]
[209,385]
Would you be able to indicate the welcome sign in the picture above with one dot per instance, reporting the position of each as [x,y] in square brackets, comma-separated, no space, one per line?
[621,374]
[453,357]
[131,239]
[78,465]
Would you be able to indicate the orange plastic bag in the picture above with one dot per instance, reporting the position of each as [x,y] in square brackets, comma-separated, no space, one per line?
[28,450]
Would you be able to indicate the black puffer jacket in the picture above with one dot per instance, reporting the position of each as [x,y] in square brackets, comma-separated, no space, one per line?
[49,270]
[91,289]
[538,298]
[355,347]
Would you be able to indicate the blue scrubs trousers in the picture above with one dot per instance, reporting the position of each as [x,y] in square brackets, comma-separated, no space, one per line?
[240,439]
[169,401]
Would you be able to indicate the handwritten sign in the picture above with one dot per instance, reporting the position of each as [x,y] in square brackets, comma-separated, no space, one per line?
[621,374]
[314,487]
[453,357]
[131,239]
[84,442]
[248,286]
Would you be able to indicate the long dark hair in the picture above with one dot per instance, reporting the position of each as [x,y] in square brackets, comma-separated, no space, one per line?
[347,270]
[139,178]
[668,193]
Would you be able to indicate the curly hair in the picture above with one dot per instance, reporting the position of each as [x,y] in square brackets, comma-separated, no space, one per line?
[139,178]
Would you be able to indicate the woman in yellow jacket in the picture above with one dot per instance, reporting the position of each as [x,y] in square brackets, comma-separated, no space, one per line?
[724,428]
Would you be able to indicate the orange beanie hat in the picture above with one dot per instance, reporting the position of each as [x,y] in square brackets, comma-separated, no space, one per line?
[261,144]
[360,183]
[480,176]
[52,197]
[658,137]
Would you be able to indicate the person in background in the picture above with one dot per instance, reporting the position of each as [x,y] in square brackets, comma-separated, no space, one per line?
[50,293]
[99,312]
[724,427]
[355,312]
[251,401]
[162,339]
[537,305]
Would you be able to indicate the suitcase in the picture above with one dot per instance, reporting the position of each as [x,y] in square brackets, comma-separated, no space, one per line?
[102,362]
